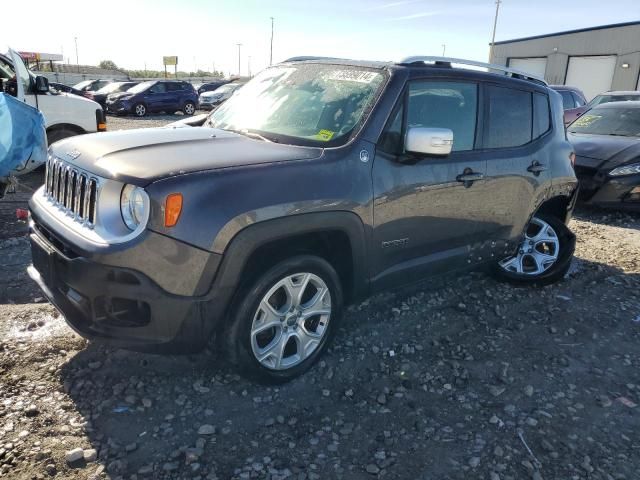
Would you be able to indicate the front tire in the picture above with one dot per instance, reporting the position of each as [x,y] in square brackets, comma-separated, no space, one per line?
[59,134]
[283,321]
[544,255]
[140,110]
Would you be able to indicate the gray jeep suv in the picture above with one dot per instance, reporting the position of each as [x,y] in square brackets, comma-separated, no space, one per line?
[321,182]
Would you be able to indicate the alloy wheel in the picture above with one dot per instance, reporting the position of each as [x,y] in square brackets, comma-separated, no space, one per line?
[291,321]
[140,110]
[189,108]
[537,252]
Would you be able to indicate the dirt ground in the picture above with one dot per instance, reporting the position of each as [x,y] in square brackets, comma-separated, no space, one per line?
[460,377]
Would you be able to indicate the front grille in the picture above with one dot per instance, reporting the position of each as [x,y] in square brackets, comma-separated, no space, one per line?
[72,190]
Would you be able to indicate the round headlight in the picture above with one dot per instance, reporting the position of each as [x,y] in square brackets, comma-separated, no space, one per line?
[134,206]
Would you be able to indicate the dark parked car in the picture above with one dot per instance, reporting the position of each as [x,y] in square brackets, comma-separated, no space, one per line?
[571,115]
[317,184]
[60,87]
[155,96]
[211,86]
[101,95]
[572,98]
[607,143]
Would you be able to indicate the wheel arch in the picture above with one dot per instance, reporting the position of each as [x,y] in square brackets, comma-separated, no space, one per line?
[558,206]
[338,237]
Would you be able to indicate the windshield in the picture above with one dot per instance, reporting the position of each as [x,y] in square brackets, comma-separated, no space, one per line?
[309,104]
[141,87]
[225,88]
[600,99]
[112,87]
[609,121]
[82,85]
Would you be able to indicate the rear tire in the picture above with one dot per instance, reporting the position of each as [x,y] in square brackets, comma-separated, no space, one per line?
[189,108]
[544,255]
[284,319]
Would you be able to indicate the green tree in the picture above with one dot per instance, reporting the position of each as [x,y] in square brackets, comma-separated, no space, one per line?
[108,65]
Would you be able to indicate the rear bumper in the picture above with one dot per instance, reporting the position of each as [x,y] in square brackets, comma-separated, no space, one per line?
[120,306]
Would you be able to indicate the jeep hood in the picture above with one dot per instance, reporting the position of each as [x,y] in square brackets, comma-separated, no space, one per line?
[143,156]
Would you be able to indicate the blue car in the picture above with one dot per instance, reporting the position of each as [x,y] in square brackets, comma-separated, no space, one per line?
[166,96]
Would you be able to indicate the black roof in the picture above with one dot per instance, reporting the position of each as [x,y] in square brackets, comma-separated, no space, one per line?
[566,32]
[438,70]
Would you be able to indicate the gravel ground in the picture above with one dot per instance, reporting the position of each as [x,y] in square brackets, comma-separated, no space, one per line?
[457,378]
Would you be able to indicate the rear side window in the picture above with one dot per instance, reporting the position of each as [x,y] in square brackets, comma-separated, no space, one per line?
[452,105]
[174,87]
[510,118]
[541,115]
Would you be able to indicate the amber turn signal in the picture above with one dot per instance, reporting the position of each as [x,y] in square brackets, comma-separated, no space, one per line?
[172,209]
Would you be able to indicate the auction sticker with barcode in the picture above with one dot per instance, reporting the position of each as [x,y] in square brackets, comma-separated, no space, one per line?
[359,76]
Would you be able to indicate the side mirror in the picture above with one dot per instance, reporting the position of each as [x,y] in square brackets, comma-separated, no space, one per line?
[42,84]
[429,141]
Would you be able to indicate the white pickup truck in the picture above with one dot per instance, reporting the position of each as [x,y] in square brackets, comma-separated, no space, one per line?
[65,114]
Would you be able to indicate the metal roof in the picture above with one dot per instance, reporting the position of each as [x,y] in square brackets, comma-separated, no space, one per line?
[567,32]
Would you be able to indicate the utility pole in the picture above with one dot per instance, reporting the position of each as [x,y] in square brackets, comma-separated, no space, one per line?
[239,47]
[271,51]
[75,39]
[249,66]
[444,49]
[495,24]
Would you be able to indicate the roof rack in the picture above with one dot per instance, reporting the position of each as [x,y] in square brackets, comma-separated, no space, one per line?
[305,58]
[447,61]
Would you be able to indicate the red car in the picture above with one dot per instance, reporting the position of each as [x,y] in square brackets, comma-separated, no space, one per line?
[572,114]
[573,100]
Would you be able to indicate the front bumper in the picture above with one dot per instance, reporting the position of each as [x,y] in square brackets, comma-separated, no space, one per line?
[118,305]
[599,189]
[118,107]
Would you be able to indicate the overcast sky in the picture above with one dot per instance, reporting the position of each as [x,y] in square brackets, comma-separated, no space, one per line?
[203,33]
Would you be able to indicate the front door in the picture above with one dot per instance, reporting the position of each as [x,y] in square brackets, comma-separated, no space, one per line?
[157,98]
[427,215]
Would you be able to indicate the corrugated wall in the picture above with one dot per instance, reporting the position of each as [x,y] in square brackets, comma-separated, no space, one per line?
[621,41]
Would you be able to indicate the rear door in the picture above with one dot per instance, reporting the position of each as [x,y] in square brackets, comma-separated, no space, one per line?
[175,92]
[425,218]
[517,126]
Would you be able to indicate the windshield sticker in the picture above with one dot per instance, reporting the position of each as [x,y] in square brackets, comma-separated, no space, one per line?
[358,76]
[586,120]
[325,135]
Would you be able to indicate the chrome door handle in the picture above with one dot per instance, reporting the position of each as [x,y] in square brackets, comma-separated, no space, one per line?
[536,167]
[469,177]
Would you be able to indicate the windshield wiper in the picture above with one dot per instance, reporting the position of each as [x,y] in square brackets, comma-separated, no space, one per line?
[249,134]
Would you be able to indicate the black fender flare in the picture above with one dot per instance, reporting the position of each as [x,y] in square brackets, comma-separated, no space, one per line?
[249,239]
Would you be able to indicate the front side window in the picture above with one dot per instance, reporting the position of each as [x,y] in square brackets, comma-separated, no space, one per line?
[158,88]
[452,105]
[619,121]
[306,104]
[510,117]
